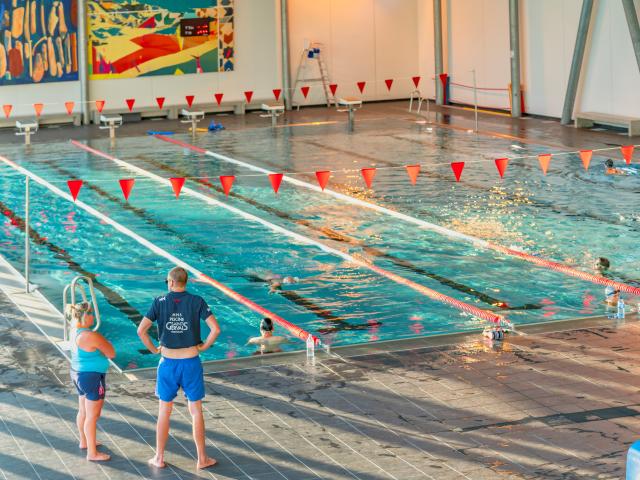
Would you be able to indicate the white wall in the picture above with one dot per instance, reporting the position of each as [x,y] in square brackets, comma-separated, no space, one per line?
[363,40]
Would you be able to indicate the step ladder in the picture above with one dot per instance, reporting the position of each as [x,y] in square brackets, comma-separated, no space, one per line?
[86,304]
[311,54]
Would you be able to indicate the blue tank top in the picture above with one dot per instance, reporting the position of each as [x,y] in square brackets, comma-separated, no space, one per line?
[83,361]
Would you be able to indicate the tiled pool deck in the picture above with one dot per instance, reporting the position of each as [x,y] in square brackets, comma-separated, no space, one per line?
[556,405]
[544,405]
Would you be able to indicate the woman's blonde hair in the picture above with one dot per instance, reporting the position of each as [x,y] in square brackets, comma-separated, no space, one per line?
[77,313]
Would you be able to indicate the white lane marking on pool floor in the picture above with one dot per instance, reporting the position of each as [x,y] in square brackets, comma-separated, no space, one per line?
[477,242]
[422,289]
[146,243]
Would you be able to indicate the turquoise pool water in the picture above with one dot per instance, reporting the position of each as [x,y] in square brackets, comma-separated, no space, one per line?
[569,216]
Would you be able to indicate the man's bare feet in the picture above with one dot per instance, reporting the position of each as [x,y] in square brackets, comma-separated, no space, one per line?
[98,457]
[83,446]
[156,462]
[206,462]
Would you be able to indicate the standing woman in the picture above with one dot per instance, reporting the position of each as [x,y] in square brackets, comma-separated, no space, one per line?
[90,354]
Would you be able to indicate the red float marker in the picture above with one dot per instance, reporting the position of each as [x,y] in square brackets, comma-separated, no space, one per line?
[38,108]
[544,160]
[177,184]
[457,168]
[276,180]
[7,110]
[501,165]
[627,153]
[69,106]
[276,93]
[416,81]
[248,95]
[218,97]
[160,102]
[361,86]
[305,91]
[413,171]
[130,103]
[323,178]
[126,184]
[389,83]
[190,99]
[585,156]
[368,174]
[74,188]
[100,105]
[227,182]
[333,88]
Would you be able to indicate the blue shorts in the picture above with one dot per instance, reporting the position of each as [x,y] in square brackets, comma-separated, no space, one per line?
[174,374]
[91,385]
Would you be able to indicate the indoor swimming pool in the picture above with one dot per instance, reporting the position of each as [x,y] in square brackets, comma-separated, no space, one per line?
[565,216]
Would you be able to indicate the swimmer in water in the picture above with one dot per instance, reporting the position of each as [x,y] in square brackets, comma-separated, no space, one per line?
[268,342]
[602,265]
[274,281]
[611,170]
[611,296]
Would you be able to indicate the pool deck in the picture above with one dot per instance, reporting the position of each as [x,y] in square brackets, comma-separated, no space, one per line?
[553,405]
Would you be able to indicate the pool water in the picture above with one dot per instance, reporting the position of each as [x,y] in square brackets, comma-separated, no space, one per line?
[570,215]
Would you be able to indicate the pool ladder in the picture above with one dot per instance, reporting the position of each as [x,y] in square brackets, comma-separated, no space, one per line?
[69,293]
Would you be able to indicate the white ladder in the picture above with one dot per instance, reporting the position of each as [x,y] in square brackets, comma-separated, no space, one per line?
[313,52]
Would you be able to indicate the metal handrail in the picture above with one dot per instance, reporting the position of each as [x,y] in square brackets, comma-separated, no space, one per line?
[73,286]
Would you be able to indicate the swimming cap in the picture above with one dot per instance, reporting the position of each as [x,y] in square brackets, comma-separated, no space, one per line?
[609,291]
[266,324]
[609,163]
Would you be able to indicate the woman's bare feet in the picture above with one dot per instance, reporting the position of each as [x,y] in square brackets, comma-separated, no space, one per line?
[98,457]
[206,462]
[83,446]
[157,462]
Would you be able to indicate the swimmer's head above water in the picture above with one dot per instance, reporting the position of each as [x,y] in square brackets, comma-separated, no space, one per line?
[602,264]
[266,326]
[608,163]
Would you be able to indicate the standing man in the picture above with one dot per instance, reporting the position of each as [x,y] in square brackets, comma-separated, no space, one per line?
[178,315]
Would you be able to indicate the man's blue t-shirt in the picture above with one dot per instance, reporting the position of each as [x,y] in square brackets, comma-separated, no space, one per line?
[178,315]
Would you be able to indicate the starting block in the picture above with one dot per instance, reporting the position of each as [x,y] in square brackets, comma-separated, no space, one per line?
[350,105]
[110,122]
[273,110]
[193,118]
[27,129]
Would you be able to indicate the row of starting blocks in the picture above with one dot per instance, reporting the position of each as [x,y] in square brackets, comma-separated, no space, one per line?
[272,110]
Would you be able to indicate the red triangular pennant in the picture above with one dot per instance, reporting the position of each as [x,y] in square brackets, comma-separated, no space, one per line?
[368,174]
[130,103]
[7,110]
[218,97]
[160,102]
[333,87]
[227,182]
[276,180]
[248,95]
[126,184]
[627,153]
[74,188]
[544,160]
[305,91]
[190,99]
[276,93]
[501,165]
[100,105]
[457,168]
[38,108]
[177,184]
[323,178]
[413,171]
[416,81]
[361,86]
[585,156]
[69,106]
[389,83]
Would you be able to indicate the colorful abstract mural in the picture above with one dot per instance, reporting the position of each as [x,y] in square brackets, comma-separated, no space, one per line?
[39,41]
[131,38]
